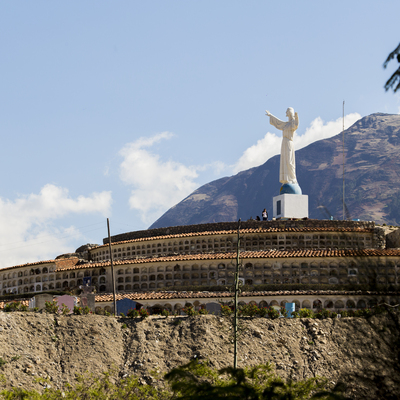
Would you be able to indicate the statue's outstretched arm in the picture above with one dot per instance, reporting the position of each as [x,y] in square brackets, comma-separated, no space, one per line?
[276,122]
[296,119]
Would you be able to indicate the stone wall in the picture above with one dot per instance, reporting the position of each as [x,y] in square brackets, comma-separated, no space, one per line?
[393,240]
[379,238]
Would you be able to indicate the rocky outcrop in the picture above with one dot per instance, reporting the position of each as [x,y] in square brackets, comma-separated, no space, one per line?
[363,353]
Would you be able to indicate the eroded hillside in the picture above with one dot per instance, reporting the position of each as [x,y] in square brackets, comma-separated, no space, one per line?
[364,353]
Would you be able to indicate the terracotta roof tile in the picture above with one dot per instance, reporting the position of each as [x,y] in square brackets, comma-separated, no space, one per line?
[265,254]
[58,263]
[242,232]
[107,297]
[29,264]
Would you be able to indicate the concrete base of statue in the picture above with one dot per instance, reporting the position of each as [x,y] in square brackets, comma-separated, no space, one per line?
[290,206]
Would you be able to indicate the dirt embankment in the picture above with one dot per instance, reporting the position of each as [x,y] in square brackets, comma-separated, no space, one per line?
[364,353]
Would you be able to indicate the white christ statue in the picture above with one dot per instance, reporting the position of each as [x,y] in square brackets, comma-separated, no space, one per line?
[287,171]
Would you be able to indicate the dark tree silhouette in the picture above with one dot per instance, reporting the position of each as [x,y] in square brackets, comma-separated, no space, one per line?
[394,81]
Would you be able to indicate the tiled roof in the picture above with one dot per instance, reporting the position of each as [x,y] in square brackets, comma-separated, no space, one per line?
[29,264]
[59,263]
[107,297]
[245,226]
[242,232]
[268,254]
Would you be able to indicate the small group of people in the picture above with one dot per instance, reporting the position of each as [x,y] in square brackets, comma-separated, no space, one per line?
[264,216]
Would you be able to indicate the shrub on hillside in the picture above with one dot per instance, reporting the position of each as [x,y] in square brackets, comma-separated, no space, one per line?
[226,311]
[189,310]
[51,307]
[295,314]
[284,312]
[64,309]
[262,312]
[322,314]
[143,313]
[14,306]
[165,313]
[132,313]
[77,310]
[272,313]
[194,381]
[306,313]
[248,310]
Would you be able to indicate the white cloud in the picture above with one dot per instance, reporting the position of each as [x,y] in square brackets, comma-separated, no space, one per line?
[270,144]
[157,184]
[318,130]
[259,153]
[28,232]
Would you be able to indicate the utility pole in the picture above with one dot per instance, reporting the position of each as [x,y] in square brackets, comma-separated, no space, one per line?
[112,267]
[235,320]
[343,166]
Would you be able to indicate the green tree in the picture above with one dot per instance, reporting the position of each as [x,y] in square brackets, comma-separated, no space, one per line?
[394,81]
[195,381]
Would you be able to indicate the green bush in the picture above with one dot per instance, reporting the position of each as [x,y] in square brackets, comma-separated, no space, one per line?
[86,310]
[143,313]
[318,315]
[133,313]
[194,381]
[226,311]
[197,381]
[322,314]
[295,314]
[272,313]
[51,307]
[248,310]
[77,310]
[190,311]
[306,313]
[284,312]
[350,313]
[165,313]
[64,309]
[14,306]
[262,312]
[203,311]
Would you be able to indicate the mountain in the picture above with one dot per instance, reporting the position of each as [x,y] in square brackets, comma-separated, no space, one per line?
[372,184]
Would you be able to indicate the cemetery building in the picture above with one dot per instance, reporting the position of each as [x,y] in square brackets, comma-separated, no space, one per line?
[168,267]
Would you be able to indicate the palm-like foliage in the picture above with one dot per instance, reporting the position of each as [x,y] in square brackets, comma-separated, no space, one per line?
[394,81]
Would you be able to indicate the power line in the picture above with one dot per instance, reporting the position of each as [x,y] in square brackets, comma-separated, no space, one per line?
[343,166]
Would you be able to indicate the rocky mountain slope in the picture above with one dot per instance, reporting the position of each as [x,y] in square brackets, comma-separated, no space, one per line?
[363,353]
[372,190]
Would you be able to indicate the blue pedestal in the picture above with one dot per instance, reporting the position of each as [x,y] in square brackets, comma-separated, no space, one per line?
[290,307]
[290,188]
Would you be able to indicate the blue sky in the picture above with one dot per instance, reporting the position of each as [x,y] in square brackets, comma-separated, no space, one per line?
[121,109]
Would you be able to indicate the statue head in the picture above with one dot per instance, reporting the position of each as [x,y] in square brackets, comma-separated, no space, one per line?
[290,113]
